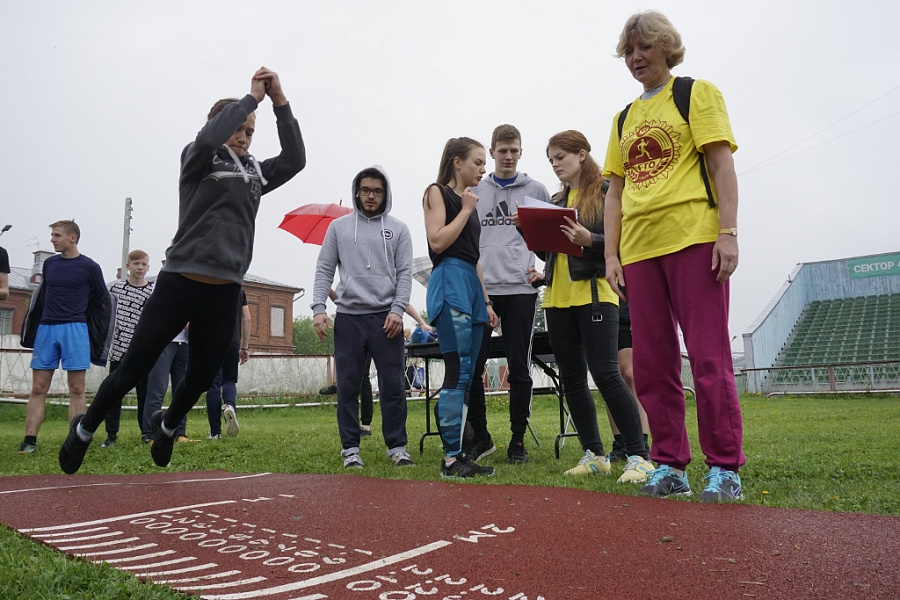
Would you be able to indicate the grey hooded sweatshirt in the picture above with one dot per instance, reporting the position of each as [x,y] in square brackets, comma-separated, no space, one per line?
[505,258]
[373,257]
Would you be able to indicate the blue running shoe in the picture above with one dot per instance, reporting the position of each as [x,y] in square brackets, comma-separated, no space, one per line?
[663,482]
[722,485]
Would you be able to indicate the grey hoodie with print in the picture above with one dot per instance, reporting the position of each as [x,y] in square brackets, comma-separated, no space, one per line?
[505,258]
[373,257]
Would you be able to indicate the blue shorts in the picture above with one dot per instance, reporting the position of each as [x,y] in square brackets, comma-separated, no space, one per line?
[68,342]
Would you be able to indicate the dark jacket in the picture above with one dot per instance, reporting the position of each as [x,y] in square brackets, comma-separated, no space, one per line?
[592,262]
[100,317]
[219,194]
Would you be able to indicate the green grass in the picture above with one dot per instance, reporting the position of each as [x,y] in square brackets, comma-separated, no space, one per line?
[835,453]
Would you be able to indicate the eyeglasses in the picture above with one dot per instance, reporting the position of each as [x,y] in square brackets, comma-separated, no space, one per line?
[377,192]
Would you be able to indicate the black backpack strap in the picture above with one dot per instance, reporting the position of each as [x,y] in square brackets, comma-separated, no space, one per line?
[681,92]
[622,116]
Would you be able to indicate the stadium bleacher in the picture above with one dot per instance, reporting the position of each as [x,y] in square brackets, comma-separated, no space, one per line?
[861,329]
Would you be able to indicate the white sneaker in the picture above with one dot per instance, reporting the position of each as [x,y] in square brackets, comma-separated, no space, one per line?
[218,436]
[231,423]
[353,461]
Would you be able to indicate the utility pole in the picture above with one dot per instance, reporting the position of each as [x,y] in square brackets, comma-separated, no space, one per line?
[126,239]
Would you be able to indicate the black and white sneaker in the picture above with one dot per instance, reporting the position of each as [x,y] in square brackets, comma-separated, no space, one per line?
[481,448]
[463,467]
[71,454]
[161,446]
[109,441]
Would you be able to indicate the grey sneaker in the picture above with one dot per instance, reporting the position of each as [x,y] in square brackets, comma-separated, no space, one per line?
[663,482]
[401,459]
[722,485]
[353,461]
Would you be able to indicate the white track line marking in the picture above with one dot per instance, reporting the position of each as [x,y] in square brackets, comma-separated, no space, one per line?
[156,565]
[99,536]
[219,586]
[141,557]
[49,535]
[365,568]
[59,487]
[91,555]
[186,570]
[124,517]
[98,545]
[114,483]
[200,578]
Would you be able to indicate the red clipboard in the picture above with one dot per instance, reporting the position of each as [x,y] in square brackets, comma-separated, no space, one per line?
[540,227]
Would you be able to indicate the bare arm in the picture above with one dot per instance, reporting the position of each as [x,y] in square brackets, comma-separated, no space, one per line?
[492,316]
[721,168]
[612,231]
[245,334]
[441,235]
[4,286]
[411,311]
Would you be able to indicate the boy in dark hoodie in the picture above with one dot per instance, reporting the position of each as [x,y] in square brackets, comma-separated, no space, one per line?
[373,252]
[219,193]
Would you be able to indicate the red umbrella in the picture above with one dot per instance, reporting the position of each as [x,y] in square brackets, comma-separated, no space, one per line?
[311,221]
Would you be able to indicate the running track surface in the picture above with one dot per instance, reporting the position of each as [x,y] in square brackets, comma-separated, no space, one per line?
[310,537]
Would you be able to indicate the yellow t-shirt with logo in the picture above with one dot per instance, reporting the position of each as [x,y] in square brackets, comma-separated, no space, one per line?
[565,293]
[664,204]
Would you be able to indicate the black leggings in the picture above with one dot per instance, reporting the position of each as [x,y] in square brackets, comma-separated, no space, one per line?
[581,344]
[175,302]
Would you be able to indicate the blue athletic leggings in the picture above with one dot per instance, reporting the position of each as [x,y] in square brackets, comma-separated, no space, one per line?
[460,341]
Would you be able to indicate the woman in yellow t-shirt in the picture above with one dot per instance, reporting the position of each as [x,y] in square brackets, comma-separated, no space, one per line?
[583,315]
[677,241]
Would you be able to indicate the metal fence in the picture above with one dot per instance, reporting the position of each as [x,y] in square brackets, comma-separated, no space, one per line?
[855,377]
[271,375]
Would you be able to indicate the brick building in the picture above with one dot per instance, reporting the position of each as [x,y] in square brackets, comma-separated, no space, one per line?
[12,310]
[271,315]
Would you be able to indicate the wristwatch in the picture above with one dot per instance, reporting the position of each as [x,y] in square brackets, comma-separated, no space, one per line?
[729,230]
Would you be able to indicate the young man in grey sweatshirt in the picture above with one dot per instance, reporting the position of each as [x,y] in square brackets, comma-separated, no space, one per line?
[508,266]
[372,251]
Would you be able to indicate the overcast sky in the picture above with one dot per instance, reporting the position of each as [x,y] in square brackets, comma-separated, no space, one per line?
[99,99]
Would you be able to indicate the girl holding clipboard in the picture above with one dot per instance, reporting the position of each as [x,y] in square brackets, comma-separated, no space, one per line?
[582,314]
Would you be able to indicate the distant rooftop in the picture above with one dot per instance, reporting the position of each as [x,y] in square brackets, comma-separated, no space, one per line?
[248,278]
[18,278]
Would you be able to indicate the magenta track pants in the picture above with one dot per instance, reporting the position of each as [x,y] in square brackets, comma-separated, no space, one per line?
[681,289]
